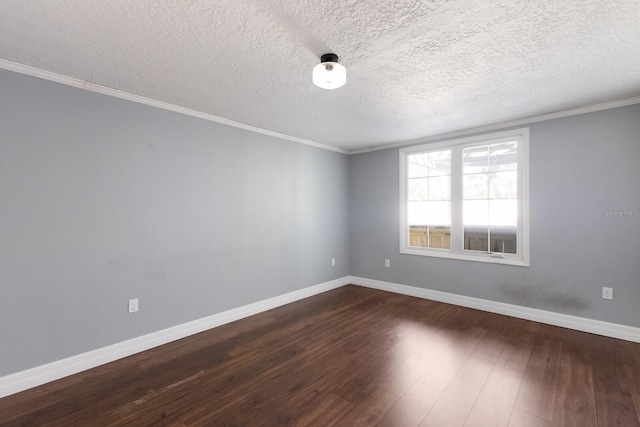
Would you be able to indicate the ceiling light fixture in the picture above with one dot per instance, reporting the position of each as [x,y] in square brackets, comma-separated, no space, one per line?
[328,74]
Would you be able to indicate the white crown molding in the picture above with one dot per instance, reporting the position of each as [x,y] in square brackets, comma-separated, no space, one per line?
[614,330]
[43,374]
[81,84]
[511,123]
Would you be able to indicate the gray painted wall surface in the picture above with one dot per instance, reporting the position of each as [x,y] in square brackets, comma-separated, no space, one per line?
[103,200]
[579,167]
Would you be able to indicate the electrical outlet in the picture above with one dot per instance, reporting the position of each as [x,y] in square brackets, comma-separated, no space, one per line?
[387,263]
[333,262]
[607,293]
[133,305]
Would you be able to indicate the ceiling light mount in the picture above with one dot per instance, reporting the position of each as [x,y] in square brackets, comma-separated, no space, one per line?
[329,74]
[329,57]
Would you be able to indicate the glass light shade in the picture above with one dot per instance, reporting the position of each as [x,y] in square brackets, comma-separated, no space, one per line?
[329,75]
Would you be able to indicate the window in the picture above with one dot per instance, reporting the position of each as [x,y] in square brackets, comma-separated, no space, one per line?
[467,199]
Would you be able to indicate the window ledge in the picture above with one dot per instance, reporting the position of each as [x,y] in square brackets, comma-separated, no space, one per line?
[464,257]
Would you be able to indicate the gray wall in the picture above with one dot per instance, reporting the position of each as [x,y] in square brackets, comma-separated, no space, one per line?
[579,167]
[103,200]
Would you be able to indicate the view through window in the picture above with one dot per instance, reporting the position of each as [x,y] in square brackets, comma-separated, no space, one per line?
[467,198]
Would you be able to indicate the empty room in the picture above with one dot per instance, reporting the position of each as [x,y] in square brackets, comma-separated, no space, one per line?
[322,213]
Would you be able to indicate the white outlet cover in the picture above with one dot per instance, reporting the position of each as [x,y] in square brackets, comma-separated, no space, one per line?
[387,263]
[133,305]
[607,293]
[333,261]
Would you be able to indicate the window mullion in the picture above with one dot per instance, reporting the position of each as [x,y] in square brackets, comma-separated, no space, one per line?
[456,200]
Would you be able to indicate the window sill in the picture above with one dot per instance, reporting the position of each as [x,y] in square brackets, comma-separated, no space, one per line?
[487,258]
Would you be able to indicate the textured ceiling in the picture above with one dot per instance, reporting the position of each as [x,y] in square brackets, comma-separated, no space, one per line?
[414,68]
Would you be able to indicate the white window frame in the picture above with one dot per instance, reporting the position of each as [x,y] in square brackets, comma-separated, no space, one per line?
[521,257]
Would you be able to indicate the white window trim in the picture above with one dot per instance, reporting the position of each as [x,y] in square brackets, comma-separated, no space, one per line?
[521,258]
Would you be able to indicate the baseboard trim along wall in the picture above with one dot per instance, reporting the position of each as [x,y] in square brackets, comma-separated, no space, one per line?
[39,375]
[613,330]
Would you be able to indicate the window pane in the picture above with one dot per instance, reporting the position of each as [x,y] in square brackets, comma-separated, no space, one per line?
[429,192]
[419,236]
[419,189]
[439,213]
[429,213]
[503,185]
[440,163]
[503,239]
[440,237]
[490,191]
[476,238]
[418,213]
[476,212]
[475,159]
[476,186]
[430,237]
[504,156]
[439,188]
[503,212]
[417,165]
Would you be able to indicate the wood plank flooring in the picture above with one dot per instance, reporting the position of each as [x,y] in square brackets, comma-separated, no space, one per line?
[355,357]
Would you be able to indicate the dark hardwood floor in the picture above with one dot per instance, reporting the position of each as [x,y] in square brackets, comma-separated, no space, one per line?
[355,357]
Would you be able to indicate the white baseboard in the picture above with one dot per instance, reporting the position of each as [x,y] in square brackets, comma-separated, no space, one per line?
[614,330]
[39,375]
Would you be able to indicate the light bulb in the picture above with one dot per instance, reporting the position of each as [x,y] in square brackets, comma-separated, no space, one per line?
[329,75]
